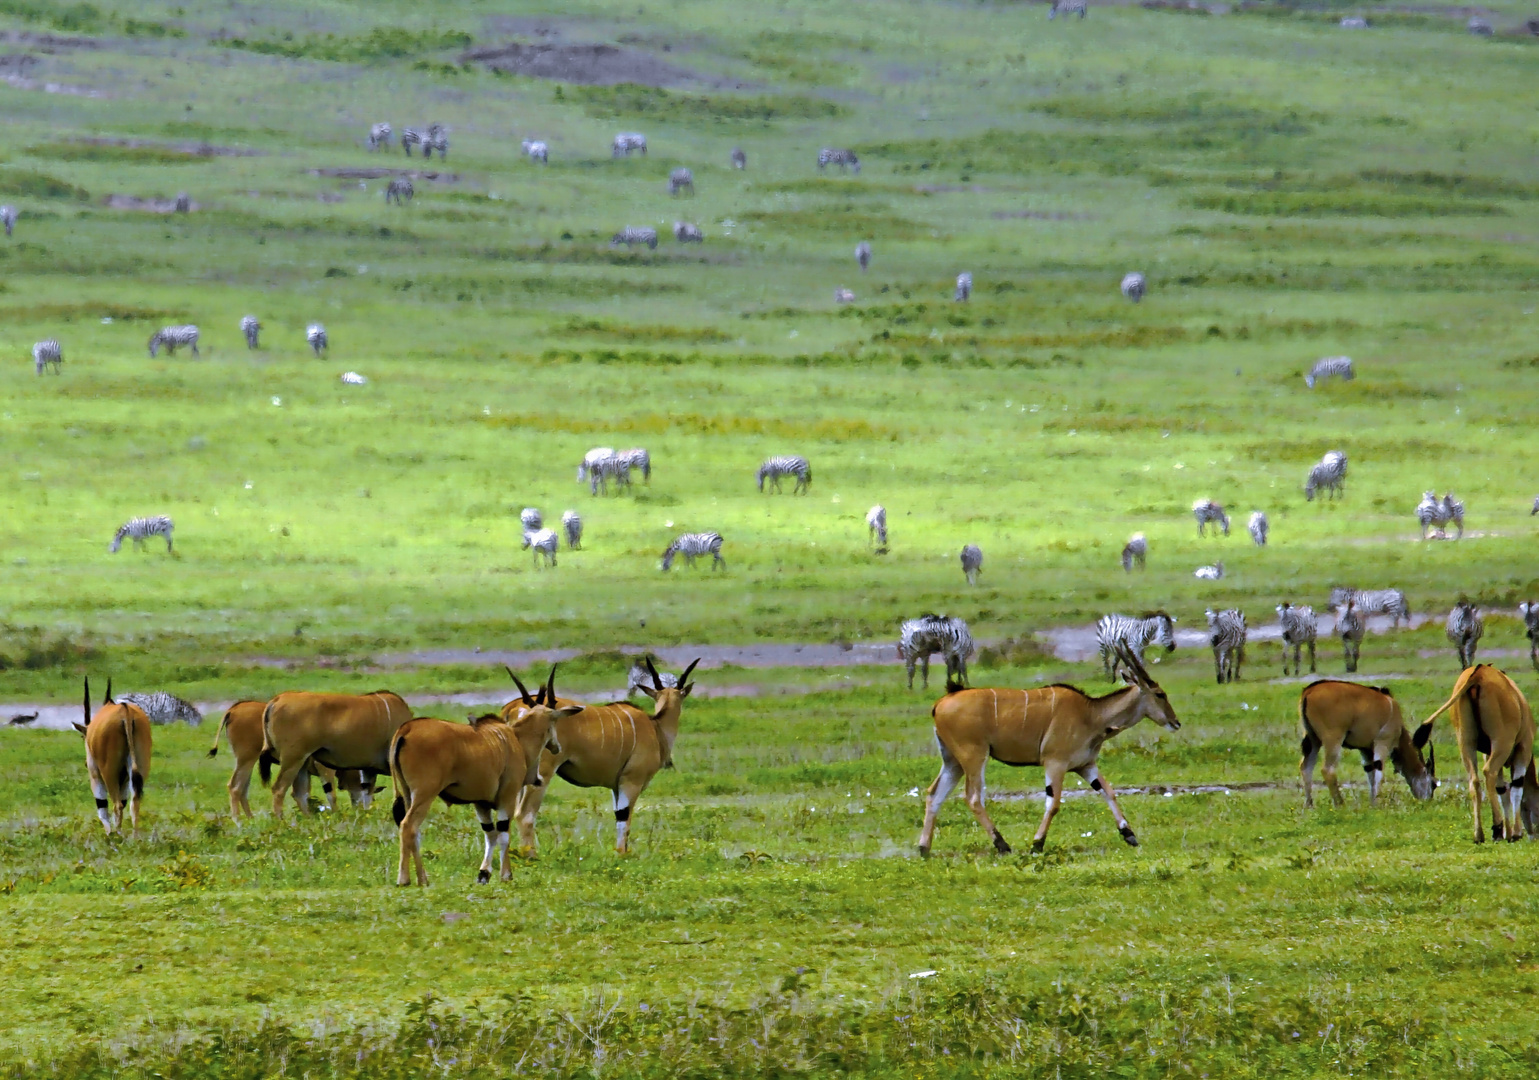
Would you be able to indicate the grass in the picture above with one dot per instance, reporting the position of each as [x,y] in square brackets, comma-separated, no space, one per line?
[324,528]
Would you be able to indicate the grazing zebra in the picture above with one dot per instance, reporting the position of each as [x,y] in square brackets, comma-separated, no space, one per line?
[1207,512]
[379,135]
[1479,27]
[1331,366]
[786,465]
[251,328]
[1228,638]
[1259,527]
[1210,573]
[964,287]
[1114,632]
[140,529]
[692,546]
[1464,628]
[845,159]
[972,562]
[610,468]
[543,541]
[536,150]
[627,141]
[1133,286]
[1136,550]
[183,203]
[843,296]
[591,460]
[928,634]
[1330,473]
[1351,626]
[876,526]
[638,458]
[352,378]
[863,255]
[437,138]
[531,519]
[173,338]
[48,352]
[1436,513]
[688,233]
[739,159]
[399,190]
[634,234]
[315,334]
[164,708]
[1068,7]
[571,524]
[8,217]
[640,677]
[409,138]
[1352,22]
[1298,630]
[1389,602]
[680,179]
[1530,614]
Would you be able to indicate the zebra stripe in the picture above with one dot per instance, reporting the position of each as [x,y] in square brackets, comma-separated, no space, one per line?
[536,150]
[531,519]
[1350,627]
[1330,367]
[315,334]
[863,255]
[173,338]
[1259,527]
[251,328]
[627,141]
[1135,551]
[964,287]
[876,526]
[1133,286]
[379,135]
[1389,602]
[1124,631]
[591,459]
[8,217]
[410,137]
[1208,512]
[845,159]
[640,677]
[1529,612]
[399,190]
[1210,573]
[692,546]
[637,458]
[680,179]
[1464,628]
[437,138]
[613,467]
[140,529]
[786,465]
[1330,474]
[739,159]
[352,378]
[164,708]
[543,541]
[634,234]
[1299,628]
[687,233]
[47,352]
[1227,634]
[1068,7]
[919,638]
[571,524]
[972,562]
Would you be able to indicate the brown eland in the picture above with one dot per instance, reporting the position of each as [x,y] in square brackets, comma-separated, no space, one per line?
[1060,728]
[1492,717]
[339,731]
[242,725]
[118,748]
[1336,715]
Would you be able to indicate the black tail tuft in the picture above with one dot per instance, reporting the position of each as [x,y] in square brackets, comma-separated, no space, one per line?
[953,685]
[265,763]
[398,809]
[214,752]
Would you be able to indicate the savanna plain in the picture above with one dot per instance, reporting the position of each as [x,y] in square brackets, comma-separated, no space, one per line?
[1290,189]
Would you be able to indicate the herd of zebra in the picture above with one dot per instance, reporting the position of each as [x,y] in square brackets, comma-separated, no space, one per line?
[49,352]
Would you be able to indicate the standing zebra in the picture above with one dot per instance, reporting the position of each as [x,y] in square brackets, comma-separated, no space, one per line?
[680,179]
[543,541]
[140,529]
[632,235]
[1429,513]
[379,135]
[1350,627]
[571,524]
[399,191]
[876,527]
[1068,7]
[739,159]
[1330,367]
[1389,602]
[1133,286]
[1124,632]
[1259,527]
[8,217]
[410,137]
[972,562]
[1228,638]
[251,328]
[531,519]
[638,458]
[1330,474]
[1210,573]
[928,634]
[692,546]
[613,467]
[536,150]
[591,460]
[627,141]
[964,287]
[845,159]
[786,465]
[863,255]
[1529,612]
[1207,512]
[1464,628]
[1136,550]
[437,138]
[686,232]
[173,338]
[1453,510]
[315,334]
[47,352]
[163,708]
[1298,630]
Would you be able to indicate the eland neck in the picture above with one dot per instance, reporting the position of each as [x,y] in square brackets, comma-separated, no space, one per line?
[1119,710]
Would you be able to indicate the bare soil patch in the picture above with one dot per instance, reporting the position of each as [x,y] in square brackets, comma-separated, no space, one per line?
[379,174]
[592,65]
[1038,215]
[150,206]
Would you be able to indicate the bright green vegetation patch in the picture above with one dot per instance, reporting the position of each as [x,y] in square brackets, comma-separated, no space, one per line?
[658,104]
[38,185]
[114,154]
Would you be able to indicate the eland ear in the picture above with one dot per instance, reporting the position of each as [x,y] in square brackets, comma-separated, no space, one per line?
[1423,733]
[569,710]
[80,728]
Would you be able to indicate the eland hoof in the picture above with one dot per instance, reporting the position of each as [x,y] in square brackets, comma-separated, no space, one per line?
[483,876]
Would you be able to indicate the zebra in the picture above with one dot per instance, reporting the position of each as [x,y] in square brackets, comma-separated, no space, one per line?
[1453,510]
[635,234]
[1535,510]
[437,138]
[1068,7]
[1529,612]
[680,179]
[1464,628]
[164,708]
[786,465]
[845,159]
[536,150]
[1136,550]
[379,135]
[352,378]
[1114,632]
[571,524]
[315,334]
[1207,512]
[411,137]
[627,141]
[1298,630]
[543,543]
[591,460]
[739,159]
[140,529]
[173,337]
[637,458]
[640,677]
[688,233]
[1331,366]
[1132,284]
[1210,573]
[47,352]
[964,287]
[972,562]
[399,191]
[1259,527]
[531,519]
[931,633]
[251,328]
[876,527]
[863,255]
[1350,627]
[1478,26]
[1429,513]
[692,546]
[1330,473]
[1352,22]
[843,296]
[614,468]
[183,203]
[1389,602]
[1227,636]
[8,217]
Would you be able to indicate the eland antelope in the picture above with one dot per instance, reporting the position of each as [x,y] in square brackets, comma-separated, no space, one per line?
[242,725]
[1337,715]
[1492,717]
[339,731]
[118,747]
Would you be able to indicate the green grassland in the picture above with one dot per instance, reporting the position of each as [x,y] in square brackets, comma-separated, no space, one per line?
[1291,190]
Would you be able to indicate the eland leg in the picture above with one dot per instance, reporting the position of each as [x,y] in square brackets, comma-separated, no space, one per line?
[945,783]
[1054,787]
[1311,751]
[1328,767]
[487,815]
[1092,774]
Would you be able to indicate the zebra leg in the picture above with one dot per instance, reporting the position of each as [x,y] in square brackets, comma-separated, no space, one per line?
[910,661]
[1311,656]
